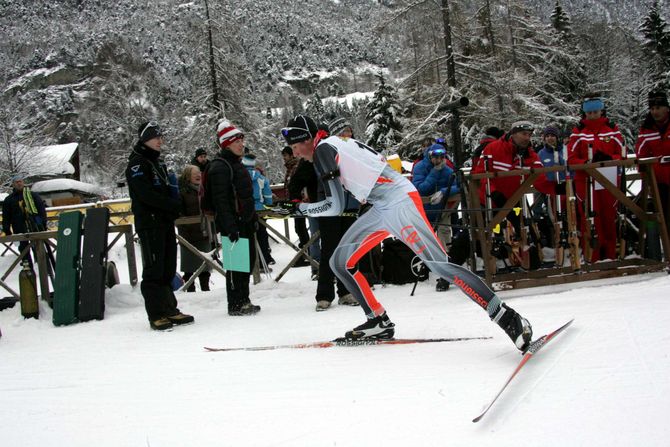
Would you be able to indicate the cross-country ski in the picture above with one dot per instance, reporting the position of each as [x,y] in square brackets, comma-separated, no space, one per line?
[343,342]
[533,349]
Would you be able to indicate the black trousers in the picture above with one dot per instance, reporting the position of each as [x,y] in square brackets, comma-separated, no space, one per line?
[159,265]
[664,192]
[237,283]
[332,229]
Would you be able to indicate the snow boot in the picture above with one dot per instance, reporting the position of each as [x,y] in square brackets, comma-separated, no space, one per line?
[515,326]
[161,324]
[348,300]
[322,305]
[246,309]
[378,328]
[180,318]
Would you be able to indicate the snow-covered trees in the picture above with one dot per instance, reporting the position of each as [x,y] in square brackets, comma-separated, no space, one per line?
[657,44]
[384,129]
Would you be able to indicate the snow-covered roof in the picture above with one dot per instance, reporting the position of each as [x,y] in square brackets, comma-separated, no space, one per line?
[66,184]
[50,160]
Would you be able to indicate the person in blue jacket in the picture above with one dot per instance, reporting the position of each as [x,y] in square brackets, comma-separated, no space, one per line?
[436,182]
[262,197]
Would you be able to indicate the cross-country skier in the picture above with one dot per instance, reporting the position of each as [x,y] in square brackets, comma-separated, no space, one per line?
[346,164]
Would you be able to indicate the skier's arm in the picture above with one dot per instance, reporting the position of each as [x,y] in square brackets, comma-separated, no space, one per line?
[327,170]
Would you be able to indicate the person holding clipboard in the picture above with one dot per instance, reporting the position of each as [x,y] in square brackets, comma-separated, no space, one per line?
[227,192]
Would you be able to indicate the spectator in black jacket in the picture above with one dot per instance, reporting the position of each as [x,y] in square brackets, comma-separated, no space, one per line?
[17,219]
[200,159]
[155,208]
[228,187]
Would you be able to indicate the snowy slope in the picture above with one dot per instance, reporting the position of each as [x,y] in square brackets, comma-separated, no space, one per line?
[116,383]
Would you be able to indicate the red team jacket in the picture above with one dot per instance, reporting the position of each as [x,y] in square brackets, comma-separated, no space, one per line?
[505,158]
[605,137]
[653,141]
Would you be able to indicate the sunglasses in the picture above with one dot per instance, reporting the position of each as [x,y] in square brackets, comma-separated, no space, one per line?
[150,125]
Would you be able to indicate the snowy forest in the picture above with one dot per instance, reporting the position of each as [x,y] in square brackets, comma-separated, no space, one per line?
[88,72]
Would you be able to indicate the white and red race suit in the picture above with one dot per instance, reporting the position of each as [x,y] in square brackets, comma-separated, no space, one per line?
[344,163]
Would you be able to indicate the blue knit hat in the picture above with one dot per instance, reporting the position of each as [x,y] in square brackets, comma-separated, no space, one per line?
[593,104]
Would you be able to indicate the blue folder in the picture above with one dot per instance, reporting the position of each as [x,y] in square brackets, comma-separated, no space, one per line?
[236,254]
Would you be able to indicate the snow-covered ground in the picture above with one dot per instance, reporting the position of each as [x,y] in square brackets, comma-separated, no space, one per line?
[604,382]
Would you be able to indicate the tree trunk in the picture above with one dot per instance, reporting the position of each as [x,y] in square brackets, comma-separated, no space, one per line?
[212,65]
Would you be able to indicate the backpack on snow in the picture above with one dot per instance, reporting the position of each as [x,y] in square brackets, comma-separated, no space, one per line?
[400,265]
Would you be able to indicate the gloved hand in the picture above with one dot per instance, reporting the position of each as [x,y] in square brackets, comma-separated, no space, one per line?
[436,198]
[234,236]
[560,189]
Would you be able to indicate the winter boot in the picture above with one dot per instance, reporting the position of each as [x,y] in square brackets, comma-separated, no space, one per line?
[161,324]
[515,326]
[246,309]
[348,300]
[180,318]
[378,328]
[322,305]
[442,285]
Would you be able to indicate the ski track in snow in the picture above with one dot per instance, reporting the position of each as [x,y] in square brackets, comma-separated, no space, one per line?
[602,382]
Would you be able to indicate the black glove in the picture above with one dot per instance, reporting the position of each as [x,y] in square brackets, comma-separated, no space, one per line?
[601,156]
[234,236]
[560,189]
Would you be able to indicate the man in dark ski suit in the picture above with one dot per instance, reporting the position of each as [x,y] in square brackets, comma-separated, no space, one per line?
[229,192]
[155,209]
[15,217]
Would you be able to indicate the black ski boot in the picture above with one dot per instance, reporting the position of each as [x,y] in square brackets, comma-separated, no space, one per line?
[515,326]
[378,328]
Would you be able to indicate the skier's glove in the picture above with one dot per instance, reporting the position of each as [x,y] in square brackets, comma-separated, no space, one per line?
[234,236]
[436,198]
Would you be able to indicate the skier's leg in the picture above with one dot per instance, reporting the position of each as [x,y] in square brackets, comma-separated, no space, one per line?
[408,222]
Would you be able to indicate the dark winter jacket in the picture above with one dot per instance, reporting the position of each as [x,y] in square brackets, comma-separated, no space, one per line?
[190,206]
[14,218]
[303,177]
[654,141]
[153,202]
[505,156]
[229,185]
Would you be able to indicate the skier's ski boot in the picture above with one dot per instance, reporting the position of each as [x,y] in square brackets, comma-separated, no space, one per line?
[514,325]
[378,328]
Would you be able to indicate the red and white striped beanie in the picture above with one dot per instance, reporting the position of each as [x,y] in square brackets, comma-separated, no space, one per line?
[227,133]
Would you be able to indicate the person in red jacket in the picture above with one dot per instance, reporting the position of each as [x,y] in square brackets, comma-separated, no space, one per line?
[654,141]
[511,151]
[595,130]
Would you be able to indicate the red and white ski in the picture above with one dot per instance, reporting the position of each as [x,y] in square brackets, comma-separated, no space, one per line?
[347,343]
[534,347]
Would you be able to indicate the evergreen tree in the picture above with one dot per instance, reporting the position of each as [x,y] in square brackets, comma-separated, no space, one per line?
[657,38]
[383,128]
[315,109]
[561,21]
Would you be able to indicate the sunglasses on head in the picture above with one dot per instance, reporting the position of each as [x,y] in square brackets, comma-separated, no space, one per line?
[286,130]
[150,125]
